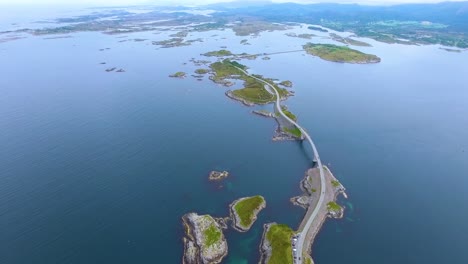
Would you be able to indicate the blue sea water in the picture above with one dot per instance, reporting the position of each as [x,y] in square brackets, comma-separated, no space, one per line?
[98,167]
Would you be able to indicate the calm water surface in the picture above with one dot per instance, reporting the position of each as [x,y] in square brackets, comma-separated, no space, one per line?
[98,167]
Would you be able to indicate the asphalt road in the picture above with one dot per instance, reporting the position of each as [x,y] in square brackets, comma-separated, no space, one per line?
[301,238]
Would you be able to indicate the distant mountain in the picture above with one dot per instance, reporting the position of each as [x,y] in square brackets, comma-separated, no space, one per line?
[453,14]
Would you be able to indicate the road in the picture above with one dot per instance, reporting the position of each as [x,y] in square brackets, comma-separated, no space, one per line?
[301,238]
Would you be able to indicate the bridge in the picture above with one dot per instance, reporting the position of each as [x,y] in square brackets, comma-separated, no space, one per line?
[303,233]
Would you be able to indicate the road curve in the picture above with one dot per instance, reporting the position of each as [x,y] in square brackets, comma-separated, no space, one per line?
[303,233]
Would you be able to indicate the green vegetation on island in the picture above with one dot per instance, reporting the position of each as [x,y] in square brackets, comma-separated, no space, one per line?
[204,241]
[335,183]
[178,75]
[218,53]
[279,237]
[288,113]
[202,71]
[253,92]
[286,83]
[244,211]
[212,235]
[333,206]
[293,131]
[170,43]
[336,53]
[255,27]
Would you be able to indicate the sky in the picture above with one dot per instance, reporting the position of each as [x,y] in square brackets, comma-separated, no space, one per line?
[193,2]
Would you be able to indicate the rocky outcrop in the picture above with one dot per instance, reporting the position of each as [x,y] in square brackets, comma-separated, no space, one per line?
[204,242]
[232,96]
[218,175]
[265,246]
[263,113]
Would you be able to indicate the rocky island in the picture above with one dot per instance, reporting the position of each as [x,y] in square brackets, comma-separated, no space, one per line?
[244,212]
[204,242]
[218,175]
[341,54]
[178,75]
[254,91]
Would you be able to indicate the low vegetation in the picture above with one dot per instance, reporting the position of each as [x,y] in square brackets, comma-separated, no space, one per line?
[279,236]
[335,183]
[288,113]
[255,27]
[202,71]
[254,91]
[336,53]
[286,83]
[170,43]
[212,235]
[293,131]
[246,208]
[333,206]
[218,53]
[178,75]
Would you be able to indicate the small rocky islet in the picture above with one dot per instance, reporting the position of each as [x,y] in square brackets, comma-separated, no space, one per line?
[218,175]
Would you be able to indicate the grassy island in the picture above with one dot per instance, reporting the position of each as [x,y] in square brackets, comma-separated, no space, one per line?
[218,53]
[279,237]
[170,43]
[178,75]
[245,211]
[336,53]
[286,83]
[202,71]
[254,91]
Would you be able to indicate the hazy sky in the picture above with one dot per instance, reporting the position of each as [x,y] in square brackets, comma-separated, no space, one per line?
[192,2]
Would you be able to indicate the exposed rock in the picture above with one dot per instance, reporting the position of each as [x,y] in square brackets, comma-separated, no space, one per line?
[218,175]
[199,246]
[265,247]
[263,113]
[232,96]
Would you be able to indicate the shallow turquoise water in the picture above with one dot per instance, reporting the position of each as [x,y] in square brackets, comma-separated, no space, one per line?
[99,167]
